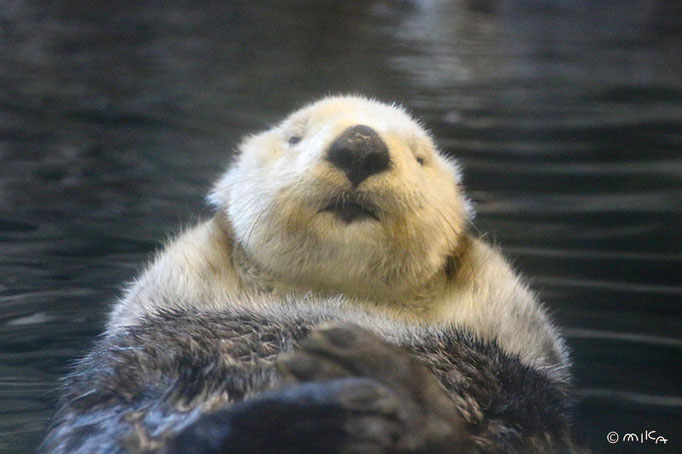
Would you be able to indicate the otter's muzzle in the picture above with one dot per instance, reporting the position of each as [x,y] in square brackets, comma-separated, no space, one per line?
[360,153]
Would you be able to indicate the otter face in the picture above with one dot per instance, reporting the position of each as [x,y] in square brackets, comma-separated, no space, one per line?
[346,195]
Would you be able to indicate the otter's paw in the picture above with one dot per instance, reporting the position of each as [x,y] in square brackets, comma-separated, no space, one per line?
[429,420]
[343,416]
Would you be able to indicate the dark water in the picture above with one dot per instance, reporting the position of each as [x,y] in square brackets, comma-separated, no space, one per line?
[115,117]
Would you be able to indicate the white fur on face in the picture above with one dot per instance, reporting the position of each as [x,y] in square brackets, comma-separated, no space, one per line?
[275,193]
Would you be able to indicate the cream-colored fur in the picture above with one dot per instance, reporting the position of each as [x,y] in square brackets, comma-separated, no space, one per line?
[273,249]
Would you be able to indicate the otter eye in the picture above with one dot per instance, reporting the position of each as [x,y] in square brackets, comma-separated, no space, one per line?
[293,140]
[420,161]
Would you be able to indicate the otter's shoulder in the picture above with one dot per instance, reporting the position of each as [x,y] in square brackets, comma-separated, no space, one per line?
[194,266]
[489,298]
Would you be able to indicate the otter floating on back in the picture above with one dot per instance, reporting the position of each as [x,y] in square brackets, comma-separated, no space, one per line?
[336,302]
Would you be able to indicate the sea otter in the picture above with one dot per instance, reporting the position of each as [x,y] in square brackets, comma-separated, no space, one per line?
[336,302]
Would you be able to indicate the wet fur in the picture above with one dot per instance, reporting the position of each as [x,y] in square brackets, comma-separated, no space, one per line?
[436,345]
[141,387]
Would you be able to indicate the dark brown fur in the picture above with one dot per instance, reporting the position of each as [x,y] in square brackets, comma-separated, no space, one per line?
[151,388]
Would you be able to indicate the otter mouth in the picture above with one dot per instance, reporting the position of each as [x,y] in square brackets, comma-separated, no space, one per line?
[352,209]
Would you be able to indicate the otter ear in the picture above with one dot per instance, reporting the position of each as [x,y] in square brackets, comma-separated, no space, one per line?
[456,171]
[469,209]
[219,195]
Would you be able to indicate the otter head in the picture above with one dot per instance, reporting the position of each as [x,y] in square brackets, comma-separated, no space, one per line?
[346,195]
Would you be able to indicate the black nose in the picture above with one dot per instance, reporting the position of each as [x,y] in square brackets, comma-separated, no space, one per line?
[360,153]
